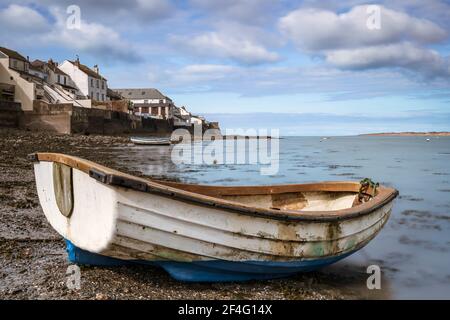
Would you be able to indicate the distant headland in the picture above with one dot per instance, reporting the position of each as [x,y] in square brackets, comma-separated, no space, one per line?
[431,133]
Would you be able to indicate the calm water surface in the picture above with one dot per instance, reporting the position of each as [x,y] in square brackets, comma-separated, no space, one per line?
[412,249]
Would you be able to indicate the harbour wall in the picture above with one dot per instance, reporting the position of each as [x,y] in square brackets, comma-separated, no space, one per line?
[69,119]
[66,118]
[10,113]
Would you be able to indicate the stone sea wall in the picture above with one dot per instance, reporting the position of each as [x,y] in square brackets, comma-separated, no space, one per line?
[10,113]
[68,119]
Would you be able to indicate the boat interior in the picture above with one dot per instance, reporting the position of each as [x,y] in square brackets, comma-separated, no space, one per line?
[308,197]
[322,197]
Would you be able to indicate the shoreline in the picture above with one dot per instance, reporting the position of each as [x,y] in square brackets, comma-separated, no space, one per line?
[408,134]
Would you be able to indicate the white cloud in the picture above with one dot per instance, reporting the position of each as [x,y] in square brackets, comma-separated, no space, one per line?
[21,24]
[196,73]
[92,38]
[346,42]
[114,12]
[21,19]
[207,68]
[406,55]
[154,9]
[248,11]
[221,44]
[314,29]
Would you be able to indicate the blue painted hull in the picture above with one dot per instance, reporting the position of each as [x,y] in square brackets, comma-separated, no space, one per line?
[210,271]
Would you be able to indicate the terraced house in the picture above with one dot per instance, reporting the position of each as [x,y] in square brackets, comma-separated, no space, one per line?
[54,76]
[149,102]
[89,81]
[24,83]
[16,84]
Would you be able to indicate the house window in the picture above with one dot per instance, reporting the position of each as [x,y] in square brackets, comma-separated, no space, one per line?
[92,95]
[59,78]
[154,111]
[14,63]
[92,82]
[103,85]
[97,83]
[161,101]
[144,110]
[145,101]
[65,80]
[98,96]
[103,97]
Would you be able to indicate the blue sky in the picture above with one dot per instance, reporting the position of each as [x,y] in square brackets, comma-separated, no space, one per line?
[302,60]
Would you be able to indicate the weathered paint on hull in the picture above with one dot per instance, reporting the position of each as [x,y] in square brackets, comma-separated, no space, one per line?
[116,225]
[210,271]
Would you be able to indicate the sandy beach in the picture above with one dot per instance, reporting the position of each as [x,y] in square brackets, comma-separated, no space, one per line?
[33,261]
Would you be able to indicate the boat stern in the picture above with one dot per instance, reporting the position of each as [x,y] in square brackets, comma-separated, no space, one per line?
[79,208]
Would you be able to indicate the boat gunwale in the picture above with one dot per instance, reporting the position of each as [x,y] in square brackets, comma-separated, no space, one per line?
[168,189]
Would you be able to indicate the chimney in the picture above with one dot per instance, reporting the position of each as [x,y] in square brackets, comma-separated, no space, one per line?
[77,61]
[96,69]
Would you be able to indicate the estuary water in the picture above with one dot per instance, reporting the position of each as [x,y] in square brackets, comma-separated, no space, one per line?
[412,250]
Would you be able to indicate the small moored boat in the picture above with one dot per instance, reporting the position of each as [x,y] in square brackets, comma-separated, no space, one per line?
[206,233]
[151,141]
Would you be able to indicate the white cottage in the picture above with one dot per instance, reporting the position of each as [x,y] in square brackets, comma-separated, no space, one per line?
[89,81]
[149,102]
[53,75]
[15,82]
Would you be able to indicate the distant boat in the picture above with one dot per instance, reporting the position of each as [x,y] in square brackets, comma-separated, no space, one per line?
[150,141]
[428,139]
[205,233]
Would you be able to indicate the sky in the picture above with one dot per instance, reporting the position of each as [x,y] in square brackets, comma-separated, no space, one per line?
[306,67]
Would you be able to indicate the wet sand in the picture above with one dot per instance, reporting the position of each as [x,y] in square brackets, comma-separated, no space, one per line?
[33,261]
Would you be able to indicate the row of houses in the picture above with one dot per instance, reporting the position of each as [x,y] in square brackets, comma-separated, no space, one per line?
[151,103]
[72,82]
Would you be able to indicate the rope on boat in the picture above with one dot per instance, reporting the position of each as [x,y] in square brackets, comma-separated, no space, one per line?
[366,183]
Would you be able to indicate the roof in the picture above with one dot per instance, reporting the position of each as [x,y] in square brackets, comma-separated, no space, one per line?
[39,65]
[56,70]
[87,70]
[13,54]
[67,86]
[145,93]
[113,94]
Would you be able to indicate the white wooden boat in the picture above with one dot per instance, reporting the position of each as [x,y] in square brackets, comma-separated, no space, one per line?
[151,141]
[205,233]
